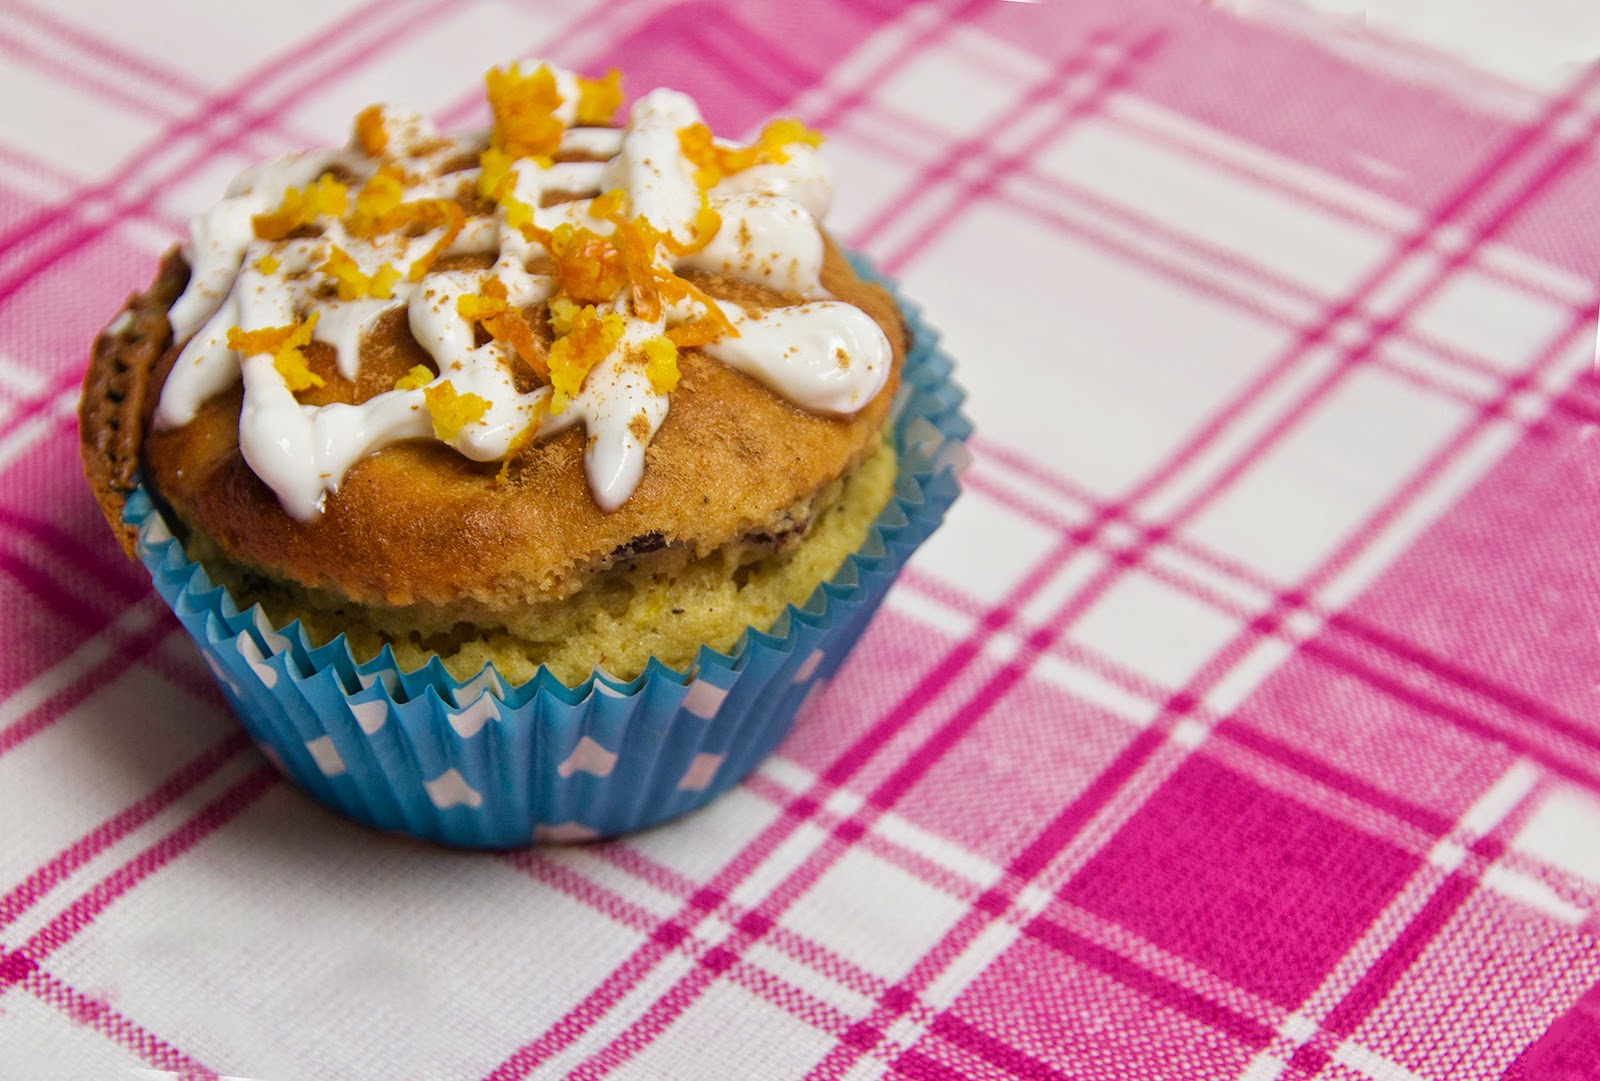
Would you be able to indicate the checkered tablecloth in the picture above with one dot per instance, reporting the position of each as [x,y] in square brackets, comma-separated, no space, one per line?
[1242,722]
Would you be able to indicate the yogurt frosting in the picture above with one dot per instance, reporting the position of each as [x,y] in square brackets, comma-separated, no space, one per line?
[322,244]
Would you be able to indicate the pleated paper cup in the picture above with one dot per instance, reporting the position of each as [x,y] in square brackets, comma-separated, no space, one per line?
[487,764]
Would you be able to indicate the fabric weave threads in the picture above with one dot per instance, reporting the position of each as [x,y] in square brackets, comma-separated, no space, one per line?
[1239,722]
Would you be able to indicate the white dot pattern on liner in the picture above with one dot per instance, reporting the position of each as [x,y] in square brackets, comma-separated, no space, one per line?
[371,716]
[450,789]
[326,756]
[704,699]
[275,642]
[821,354]
[701,772]
[471,720]
[485,682]
[155,531]
[808,667]
[221,673]
[258,664]
[588,757]
[388,677]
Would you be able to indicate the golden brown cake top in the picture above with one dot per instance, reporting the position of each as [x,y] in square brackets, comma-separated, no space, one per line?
[551,343]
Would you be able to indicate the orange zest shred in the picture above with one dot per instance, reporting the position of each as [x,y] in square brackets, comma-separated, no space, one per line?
[599,99]
[707,222]
[713,161]
[382,285]
[452,412]
[525,124]
[519,216]
[506,324]
[698,332]
[419,376]
[611,203]
[637,241]
[513,330]
[423,216]
[519,442]
[352,282]
[588,266]
[562,312]
[302,206]
[494,173]
[382,192]
[573,356]
[661,364]
[372,136]
[477,309]
[780,134]
[284,345]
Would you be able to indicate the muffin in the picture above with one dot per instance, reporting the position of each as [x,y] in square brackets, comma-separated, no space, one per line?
[588,431]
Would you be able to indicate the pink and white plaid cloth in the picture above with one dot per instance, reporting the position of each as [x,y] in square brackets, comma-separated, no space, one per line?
[1242,723]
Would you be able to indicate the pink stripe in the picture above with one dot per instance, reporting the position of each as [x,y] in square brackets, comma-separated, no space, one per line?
[105,50]
[83,912]
[72,552]
[1366,633]
[127,651]
[119,826]
[588,22]
[1460,718]
[915,45]
[43,401]
[581,1018]
[44,587]
[110,53]
[214,111]
[1328,652]
[1254,738]
[94,1013]
[968,195]
[82,77]
[1247,302]
[1052,87]
[1144,746]
[1400,955]
[976,1041]
[788,997]
[1248,1032]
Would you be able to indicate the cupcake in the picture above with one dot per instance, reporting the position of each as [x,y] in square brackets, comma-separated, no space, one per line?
[525,483]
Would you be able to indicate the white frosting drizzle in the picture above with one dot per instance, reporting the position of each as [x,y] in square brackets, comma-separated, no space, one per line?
[821,354]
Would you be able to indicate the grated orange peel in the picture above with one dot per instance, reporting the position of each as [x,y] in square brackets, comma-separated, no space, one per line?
[283,345]
[714,161]
[324,196]
[451,412]
[352,283]
[661,364]
[575,354]
[418,377]
[599,99]
[371,135]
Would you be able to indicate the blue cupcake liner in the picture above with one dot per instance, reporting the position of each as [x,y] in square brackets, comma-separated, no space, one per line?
[483,763]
